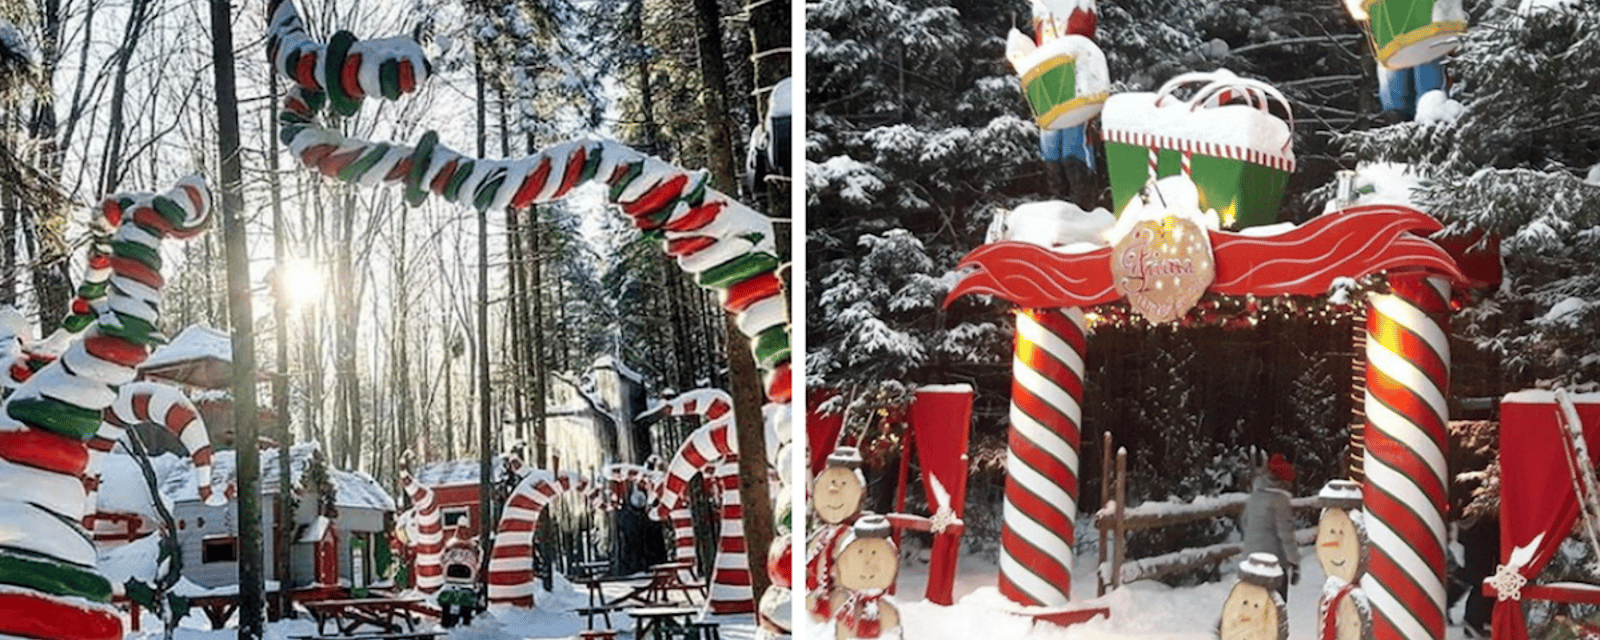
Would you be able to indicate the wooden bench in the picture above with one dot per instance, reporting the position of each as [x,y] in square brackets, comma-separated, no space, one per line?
[598,634]
[706,630]
[603,610]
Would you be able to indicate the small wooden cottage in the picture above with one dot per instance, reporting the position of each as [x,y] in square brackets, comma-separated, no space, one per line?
[340,521]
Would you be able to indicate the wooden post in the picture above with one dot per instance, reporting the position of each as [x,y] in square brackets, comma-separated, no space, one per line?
[1121,533]
[1106,477]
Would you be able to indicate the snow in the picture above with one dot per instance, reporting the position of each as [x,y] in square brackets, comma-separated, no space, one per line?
[1530,7]
[1545,396]
[781,103]
[1054,223]
[1143,610]
[457,472]
[1383,183]
[552,619]
[136,559]
[1435,108]
[623,370]
[194,343]
[357,490]
[1173,195]
[960,387]
[1594,175]
[122,484]
[1567,312]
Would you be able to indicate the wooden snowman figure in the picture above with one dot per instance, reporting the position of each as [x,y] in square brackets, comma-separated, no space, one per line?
[864,568]
[1342,611]
[1254,610]
[836,496]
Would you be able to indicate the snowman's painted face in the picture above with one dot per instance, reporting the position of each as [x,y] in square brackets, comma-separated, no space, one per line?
[867,563]
[1338,549]
[836,494]
[1249,614]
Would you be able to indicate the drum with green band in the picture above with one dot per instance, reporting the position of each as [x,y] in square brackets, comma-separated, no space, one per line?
[1065,80]
[1406,33]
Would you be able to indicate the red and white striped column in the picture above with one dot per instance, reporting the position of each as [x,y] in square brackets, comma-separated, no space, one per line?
[730,578]
[429,542]
[1408,377]
[682,534]
[1041,495]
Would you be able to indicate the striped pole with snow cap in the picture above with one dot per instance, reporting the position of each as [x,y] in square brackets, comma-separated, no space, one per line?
[1041,494]
[1408,376]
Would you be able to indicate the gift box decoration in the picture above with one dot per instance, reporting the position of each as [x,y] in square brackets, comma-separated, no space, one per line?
[1406,33]
[1065,80]
[1225,138]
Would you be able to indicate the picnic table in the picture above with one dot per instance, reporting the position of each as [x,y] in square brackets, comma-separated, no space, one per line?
[664,579]
[387,614]
[661,623]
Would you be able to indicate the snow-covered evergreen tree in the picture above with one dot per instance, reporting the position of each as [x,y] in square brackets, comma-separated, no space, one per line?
[1519,162]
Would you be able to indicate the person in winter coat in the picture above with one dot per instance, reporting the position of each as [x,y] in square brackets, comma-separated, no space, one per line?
[1268,519]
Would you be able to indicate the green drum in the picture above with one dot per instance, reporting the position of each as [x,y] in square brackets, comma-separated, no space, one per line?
[1239,154]
[1065,80]
[1406,33]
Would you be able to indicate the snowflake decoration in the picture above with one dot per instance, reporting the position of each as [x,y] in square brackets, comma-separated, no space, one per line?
[1508,583]
[942,519]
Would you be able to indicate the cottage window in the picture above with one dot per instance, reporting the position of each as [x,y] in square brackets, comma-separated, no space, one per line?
[457,517]
[219,549]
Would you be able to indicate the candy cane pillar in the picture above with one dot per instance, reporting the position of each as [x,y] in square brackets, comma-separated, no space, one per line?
[730,579]
[1041,496]
[682,534]
[1408,375]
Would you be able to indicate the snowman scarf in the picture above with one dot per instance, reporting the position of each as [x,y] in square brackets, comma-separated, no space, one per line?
[1330,609]
[819,569]
[860,614]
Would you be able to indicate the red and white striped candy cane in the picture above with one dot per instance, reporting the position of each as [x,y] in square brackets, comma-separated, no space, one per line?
[730,579]
[164,405]
[511,565]
[49,588]
[428,543]
[708,444]
[1041,494]
[682,520]
[615,481]
[1408,377]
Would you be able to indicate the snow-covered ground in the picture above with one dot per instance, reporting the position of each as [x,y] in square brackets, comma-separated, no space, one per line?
[1144,610]
[552,619]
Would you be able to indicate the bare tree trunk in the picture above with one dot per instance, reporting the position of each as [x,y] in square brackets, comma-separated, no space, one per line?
[539,362]
[745,379]
[280,377]
[251,575]
[485,448]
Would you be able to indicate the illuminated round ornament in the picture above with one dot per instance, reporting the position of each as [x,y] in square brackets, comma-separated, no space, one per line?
[1253,610]
[1163,262]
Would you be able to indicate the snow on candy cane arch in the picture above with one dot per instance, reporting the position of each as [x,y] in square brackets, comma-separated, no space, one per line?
[511,564]
[727,246]
[48,585]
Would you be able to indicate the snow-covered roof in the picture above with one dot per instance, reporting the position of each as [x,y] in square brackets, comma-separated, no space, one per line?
[454,472]
[351,489]
[193,343]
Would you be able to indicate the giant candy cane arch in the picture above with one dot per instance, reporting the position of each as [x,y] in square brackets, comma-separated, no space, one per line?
[429,538]
[511,565]
[725,245]
[712,450]
[618,477]
[49,588]
[1407,378]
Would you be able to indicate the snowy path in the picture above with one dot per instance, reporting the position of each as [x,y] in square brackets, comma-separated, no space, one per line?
[1144,610]
[552,620]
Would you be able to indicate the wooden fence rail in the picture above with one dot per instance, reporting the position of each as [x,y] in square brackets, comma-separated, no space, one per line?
[1115,521]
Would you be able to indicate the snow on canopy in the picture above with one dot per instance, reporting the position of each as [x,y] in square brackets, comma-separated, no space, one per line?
[351,489]
[193,343]
[604,362]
